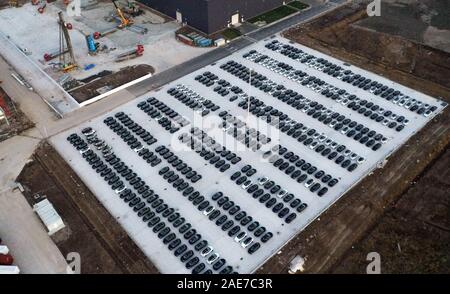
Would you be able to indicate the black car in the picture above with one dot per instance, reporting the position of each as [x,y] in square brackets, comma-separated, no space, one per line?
[267,236]
[187,255]
[180,250]
[255,246]
[218,264]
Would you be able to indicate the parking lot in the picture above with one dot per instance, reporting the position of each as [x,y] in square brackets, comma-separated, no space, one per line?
[322,126]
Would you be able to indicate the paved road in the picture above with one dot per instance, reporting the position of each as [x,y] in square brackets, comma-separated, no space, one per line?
[176,72]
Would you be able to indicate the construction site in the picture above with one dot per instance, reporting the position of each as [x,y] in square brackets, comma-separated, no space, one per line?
[108,45]
[128,201]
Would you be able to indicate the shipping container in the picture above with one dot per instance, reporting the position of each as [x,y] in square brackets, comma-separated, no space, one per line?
[185,40]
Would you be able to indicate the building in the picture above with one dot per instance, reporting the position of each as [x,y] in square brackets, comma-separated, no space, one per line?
[210,16]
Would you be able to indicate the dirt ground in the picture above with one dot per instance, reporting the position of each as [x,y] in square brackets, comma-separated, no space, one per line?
[17,120]
[413,236]
[429,18]
[90,230]
[415,65]
[327,243]
[110,81]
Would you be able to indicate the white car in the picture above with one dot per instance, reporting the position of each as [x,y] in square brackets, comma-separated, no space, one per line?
[206,251]
[82,151]
[282,193]
[344,130]
[313,145]
[208,210]
[246,242]
[263,180]
[246,185]
[309,183]
[120,190]
[138,149]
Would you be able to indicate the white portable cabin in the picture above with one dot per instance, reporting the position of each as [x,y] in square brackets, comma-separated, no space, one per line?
[49,216]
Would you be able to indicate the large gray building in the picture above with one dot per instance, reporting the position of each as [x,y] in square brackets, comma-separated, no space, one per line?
[210,16]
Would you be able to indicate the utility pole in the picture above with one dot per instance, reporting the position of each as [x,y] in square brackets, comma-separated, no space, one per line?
[248,98]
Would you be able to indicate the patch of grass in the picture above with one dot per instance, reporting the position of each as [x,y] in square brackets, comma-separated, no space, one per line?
[230,33]
[273,15]
[298,5]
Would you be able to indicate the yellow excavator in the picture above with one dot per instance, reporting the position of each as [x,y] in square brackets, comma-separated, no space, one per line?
[124,22]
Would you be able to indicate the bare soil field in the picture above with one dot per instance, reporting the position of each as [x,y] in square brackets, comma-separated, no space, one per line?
[90,230]
[413,236]
[415,65]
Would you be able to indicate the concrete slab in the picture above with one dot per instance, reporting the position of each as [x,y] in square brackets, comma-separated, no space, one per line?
[213,180]
[162,50]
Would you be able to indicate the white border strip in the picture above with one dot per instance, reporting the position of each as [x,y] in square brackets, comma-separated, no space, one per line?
[96,98]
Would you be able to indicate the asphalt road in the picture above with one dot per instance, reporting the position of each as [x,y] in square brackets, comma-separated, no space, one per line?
[183,69]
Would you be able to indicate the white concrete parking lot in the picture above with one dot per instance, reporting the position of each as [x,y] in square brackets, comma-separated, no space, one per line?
[214,180]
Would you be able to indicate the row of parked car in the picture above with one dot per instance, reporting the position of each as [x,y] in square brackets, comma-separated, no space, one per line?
[318,112]
[175,177]
[320,143]
[224,214]
[355,79]
[267,192]
[220,150]
[147,204]
[370,110]
[241,177]
[193,100]
[206,153]
[203,205]
[215,214]
[171,121]
[189,172]
[300,170]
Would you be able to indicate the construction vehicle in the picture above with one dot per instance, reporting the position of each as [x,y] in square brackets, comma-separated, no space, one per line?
[133,53]
[65,46]
[124,22]
[132,9]
[67,63]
